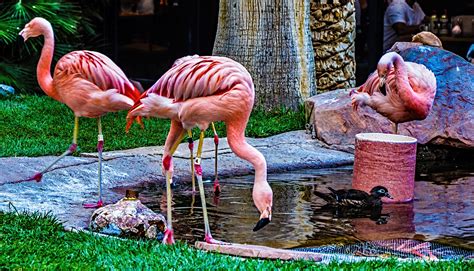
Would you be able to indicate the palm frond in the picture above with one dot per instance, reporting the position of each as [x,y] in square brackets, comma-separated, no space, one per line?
[18,76]
[72,28]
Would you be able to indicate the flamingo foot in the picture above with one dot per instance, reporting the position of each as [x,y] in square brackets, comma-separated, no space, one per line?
[217,187]
[208,238]
[37,177]
[168,239]
[98,204]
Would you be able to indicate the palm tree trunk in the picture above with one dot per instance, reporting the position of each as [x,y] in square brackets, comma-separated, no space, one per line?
[333,33]
[271,38]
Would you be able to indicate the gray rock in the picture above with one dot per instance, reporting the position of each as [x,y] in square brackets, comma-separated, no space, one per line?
[128,217]
[6,90]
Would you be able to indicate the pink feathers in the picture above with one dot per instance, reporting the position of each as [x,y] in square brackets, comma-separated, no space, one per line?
[401,91]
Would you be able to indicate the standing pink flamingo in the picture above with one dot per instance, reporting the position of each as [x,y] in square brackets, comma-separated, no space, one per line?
[87,82]
[195,92]
[401,91]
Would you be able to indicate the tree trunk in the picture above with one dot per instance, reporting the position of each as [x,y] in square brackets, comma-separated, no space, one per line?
[271,38]
[333,32]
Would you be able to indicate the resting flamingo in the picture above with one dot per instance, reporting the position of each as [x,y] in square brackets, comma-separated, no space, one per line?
[401,91]
[195,92]
[87,82]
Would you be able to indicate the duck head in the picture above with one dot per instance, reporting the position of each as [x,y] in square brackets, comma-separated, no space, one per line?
[380,192]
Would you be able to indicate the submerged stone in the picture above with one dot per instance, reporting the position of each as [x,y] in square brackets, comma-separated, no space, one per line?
[128,218]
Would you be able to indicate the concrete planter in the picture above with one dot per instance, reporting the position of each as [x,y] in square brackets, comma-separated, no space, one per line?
[388,160]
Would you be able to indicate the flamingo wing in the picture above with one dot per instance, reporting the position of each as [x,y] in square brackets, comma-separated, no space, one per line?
[97,69]
[198,76]
[86,99]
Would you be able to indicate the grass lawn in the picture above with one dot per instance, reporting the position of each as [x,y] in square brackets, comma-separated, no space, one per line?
[38,125]
[38,242]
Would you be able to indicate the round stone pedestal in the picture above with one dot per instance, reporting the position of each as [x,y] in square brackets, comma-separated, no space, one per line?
[388,160]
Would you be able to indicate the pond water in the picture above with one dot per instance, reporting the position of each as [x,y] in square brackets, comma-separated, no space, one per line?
[443,210]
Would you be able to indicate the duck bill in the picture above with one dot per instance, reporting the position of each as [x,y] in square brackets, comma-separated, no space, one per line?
[388,196]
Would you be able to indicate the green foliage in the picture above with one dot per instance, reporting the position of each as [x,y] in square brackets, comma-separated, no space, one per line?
[36,241]
[18,59]
[38,125]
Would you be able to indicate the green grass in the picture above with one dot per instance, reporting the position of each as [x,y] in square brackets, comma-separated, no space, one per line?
[38,125]
[37,241]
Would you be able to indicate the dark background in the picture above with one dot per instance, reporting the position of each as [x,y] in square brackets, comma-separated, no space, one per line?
[146,46]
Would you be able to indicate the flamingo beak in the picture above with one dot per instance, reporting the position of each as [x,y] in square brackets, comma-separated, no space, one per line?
[382,81]
[265,219]
[261,223]
[23,34]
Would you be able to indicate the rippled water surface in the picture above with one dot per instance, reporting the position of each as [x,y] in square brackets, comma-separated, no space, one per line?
[443,210]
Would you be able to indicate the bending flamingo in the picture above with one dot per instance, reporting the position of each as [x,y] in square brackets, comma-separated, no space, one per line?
[87,82]
[217,188]
[195,92]
[401,91]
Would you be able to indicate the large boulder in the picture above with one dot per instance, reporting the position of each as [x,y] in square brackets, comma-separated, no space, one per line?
[450,122]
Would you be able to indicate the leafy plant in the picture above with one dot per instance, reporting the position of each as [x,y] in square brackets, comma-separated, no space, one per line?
[18,59]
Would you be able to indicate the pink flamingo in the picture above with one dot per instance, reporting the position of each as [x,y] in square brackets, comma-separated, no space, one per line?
[87,82]
[217,188]
[196,91]
[401,91]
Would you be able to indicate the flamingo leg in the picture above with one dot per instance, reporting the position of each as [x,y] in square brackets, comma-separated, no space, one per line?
[197,167]
[395,128]
[191,149]
[169,236]
[72,148]
[217,187]
[100,148]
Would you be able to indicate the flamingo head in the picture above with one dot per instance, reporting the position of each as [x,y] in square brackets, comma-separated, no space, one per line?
[36,27]
[263,199]
[382,71]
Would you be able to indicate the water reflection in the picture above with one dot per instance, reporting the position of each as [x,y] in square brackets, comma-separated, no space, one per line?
[442,211]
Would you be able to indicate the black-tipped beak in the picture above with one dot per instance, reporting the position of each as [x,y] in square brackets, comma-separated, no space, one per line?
[261,223]
[388,196]
[382,82]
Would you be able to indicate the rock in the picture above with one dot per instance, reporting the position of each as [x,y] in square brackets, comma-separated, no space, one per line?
[427,38]
[128,217]
[261,252]
[450,122]
[6,90]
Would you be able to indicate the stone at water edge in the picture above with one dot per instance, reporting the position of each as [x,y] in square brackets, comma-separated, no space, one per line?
[450,122]
[6,90]
[128,218]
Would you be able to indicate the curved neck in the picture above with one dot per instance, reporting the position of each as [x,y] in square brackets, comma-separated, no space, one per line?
[400,69]
[238,144]
[43,70]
